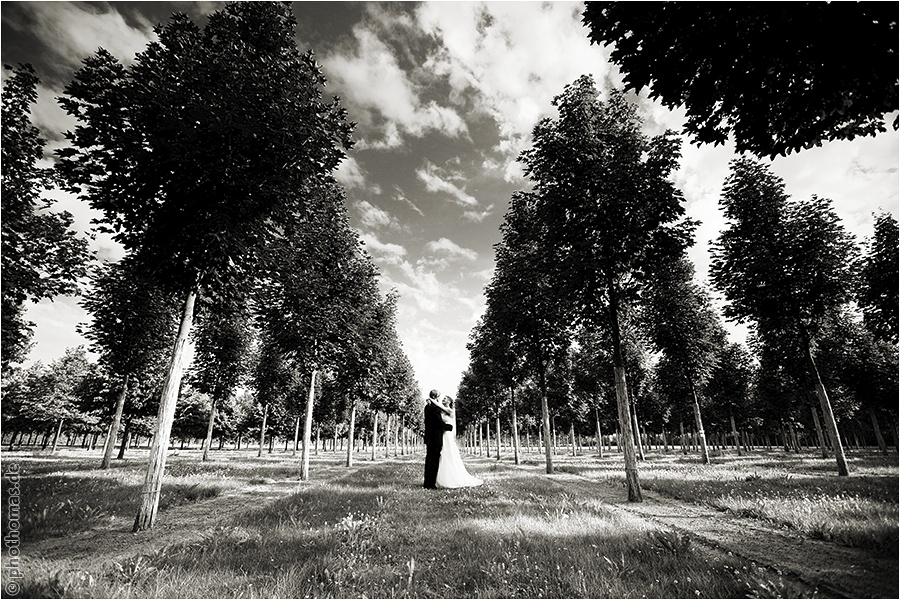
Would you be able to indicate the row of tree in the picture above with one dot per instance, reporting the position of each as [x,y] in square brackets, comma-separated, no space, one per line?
[210,159]
[592,277]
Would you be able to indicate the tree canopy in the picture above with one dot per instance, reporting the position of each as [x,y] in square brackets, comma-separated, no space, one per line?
[779,77]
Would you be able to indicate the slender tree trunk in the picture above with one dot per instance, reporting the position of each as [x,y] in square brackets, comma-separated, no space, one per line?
[296,435]
[735,435]
[262,430]
[828,414]
[307,426]
[487,437]
[820,435]
[350,433]
[480,442]
[126,437]
[545,418]
[878,436]
[572,438]
[599,433]
[374,433]
[639,445]
[209,430]
[56,437]
[114,426]
[387,435]
[704,451]
[318,440]
[515,428]
[632,479]
[157,463]
[498,434]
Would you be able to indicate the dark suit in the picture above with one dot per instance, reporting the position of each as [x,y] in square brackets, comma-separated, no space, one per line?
[434,442]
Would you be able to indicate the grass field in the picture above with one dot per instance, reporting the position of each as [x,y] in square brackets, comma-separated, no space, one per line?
[373,532]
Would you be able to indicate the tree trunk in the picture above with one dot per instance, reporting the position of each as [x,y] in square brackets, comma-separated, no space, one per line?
[114,426]
[56,437]
[498,435]
[599,433]
[632,479]
[823,447]
[480,442]
[296,435]
[545,418]
[350,432]
[157,463]
[515,428]
[704,451]
[262,430]
[639,445]
[734,434]
[387,435]
[374,433]
[126,437]
[209,430]
[307,426]
[878,435]
[828,414]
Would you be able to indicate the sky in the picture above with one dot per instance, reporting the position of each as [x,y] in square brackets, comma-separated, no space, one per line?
[445,95]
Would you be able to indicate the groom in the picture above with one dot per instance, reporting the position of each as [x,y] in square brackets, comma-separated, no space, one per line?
[434,438]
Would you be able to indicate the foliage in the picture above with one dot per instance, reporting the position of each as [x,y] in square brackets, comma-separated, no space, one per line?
[878,272]
[770,74]
[42,257]
[195,151]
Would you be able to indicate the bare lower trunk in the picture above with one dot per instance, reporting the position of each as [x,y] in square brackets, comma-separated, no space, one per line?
[545,419]
[114,426]
[704,451]
[296,435]
[515,432]
[374,433]
[350,433]
[735,436]
[307,426]
[639,445]
[599,434]
[878,436]
[169,398]
[262,430]
[209,430]
[823,447]
[498,435]
[56,437]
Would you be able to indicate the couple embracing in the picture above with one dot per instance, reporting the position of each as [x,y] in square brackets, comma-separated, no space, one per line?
[443,464]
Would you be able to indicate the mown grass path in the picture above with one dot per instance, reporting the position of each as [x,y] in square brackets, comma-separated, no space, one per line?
[372,531]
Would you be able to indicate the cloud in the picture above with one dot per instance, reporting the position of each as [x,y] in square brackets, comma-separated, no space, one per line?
[449,248]
[504,57]
[376,218]
[478,216]
[389,253]
[74,31]
[382,96]
[437,180]
[400,197]
[350,174]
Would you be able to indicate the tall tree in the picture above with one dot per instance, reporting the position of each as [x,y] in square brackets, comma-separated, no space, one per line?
[193,155]
[878,271]
[770,74]
[784,266]
[222,348]
[684,326]
[606,197]
[41,256]
[132,327]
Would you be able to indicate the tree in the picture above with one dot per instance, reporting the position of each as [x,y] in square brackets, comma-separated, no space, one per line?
[132,327]
[878,273]
[223,343]
[784,266]
[193,154]
[525,301]
[41,256]
[773,75]
[728,386]
[685,328]
[605,194]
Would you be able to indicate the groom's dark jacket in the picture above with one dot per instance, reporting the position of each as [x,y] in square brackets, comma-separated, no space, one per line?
[434,426]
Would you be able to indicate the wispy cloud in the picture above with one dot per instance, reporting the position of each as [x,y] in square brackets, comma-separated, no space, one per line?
[391,254]
[374,217]
[437,180]
[449,248]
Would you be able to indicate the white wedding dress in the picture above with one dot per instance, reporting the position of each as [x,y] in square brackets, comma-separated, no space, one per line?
[452,472]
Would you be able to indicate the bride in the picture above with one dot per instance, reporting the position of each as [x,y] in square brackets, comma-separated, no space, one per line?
[452,472]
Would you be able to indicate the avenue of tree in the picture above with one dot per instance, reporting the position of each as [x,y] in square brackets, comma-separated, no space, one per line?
[211,160]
